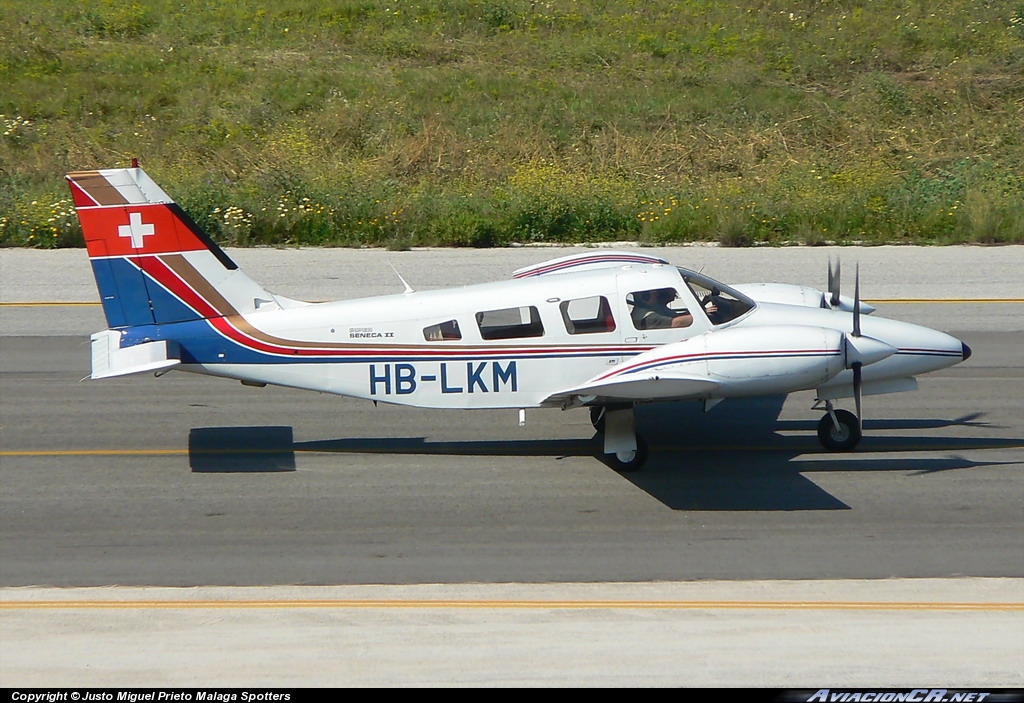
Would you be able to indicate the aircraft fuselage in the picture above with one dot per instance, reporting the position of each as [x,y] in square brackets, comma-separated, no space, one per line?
[379,348]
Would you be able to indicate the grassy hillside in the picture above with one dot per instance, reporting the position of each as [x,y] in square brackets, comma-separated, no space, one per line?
[485,122]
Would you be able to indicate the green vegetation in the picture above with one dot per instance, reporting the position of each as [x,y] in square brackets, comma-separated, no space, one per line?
[488,122]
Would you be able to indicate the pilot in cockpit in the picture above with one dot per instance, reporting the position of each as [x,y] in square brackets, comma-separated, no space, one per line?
[651,310]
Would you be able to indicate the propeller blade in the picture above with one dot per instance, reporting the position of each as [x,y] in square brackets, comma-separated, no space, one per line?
[858,385]
[833,283]
[858,392]
[856,303]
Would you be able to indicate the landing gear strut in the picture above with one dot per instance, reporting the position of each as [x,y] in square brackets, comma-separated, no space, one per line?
[838,430]
[624,450]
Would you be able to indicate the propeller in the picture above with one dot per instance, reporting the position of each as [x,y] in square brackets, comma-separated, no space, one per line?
[833,283]
[857,365]
[856,303]
[860,350]
[834,299]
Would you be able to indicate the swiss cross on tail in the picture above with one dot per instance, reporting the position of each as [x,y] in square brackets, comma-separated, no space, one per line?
[124,213]
[135,230]
[130,230]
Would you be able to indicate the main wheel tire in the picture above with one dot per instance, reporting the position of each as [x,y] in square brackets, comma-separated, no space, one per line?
[597,418]
[842,438]
[625,462]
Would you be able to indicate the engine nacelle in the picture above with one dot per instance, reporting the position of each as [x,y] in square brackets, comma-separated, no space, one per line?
[805,296]
[746,361]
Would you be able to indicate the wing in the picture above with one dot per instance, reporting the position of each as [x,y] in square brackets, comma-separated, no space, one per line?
[636,388]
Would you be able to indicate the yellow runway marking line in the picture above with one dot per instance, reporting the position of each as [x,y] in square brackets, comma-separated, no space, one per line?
[929,301]
[100,452]
[505,605]
[38,304]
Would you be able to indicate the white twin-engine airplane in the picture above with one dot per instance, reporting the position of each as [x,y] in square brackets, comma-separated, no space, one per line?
[604,330]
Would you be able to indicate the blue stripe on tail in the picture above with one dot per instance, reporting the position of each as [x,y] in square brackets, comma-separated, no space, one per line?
[130,298]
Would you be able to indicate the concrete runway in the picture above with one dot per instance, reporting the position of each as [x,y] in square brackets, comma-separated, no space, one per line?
[415,537]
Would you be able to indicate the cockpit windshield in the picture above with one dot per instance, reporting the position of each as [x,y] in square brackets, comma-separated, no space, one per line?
[721,303]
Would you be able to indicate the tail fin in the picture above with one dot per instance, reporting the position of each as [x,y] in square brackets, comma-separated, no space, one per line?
[153,264]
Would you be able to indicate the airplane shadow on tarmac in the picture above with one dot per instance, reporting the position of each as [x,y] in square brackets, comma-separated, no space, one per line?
[737,460]
[241,449]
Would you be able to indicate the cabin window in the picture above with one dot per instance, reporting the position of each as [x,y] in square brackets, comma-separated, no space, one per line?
[721,303]
[442,331]
[510,323]
[587,315]
[658,308]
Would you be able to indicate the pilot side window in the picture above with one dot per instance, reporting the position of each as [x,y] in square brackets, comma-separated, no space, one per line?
[587,315]
[657,308]
[510,323]
[442,331]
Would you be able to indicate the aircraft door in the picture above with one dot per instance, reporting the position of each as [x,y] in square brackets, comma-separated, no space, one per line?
[653,313]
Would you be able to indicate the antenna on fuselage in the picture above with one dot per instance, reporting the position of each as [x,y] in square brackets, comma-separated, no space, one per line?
[408,288]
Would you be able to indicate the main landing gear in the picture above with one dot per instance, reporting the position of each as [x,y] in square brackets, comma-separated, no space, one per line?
[838,430]
[624,449]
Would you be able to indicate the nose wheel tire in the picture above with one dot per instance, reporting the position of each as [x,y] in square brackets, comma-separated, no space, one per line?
[625,462]
[842,438]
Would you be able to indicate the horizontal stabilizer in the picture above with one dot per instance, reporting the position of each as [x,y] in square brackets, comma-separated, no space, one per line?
[109,360]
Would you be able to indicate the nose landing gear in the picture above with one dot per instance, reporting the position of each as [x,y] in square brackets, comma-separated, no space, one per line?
[838,430]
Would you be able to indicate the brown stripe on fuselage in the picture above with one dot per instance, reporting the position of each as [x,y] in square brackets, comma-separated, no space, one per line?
[180,265]
[97,187]
[243,326]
